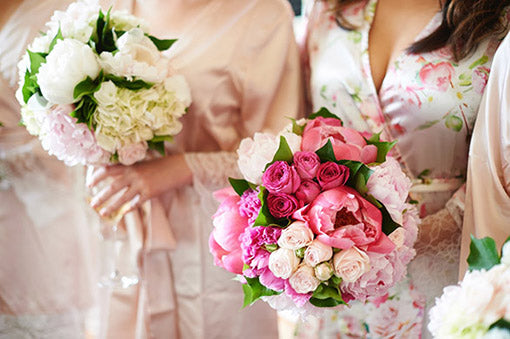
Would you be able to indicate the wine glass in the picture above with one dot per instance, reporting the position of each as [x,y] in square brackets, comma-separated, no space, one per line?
[118,269]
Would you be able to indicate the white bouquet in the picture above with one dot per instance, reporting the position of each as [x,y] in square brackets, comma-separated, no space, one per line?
[479,307]
[97,89]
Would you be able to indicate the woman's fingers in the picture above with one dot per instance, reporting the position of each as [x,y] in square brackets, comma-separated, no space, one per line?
[102,173]
[121,204]
[105,194]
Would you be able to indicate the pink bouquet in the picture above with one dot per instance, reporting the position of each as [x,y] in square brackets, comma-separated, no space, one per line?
[319,219]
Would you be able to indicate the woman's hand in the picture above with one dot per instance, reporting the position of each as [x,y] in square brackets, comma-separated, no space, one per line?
[137,183]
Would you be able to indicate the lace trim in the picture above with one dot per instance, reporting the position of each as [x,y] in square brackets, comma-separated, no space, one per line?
[212,170]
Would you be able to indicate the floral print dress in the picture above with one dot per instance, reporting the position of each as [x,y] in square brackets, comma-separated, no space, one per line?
[428,102]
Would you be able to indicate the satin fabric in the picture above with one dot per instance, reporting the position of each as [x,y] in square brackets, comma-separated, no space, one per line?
[487,210]
[242,65]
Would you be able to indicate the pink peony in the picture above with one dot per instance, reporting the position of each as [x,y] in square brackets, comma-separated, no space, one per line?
[307,164]
[249,205]
[348,144]
[341,218]
[72,142]
[281,205]
[228,226]
[253,240]
[280,177]
[307,191]
[132,153]
[331,175]
[390,186]
[437,76]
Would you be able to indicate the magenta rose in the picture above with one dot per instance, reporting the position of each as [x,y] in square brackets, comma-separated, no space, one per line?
[281,205]
[280,177]
[307,164]
[331,175]
[228,226]
[341,218]
[348,144]
[308,191]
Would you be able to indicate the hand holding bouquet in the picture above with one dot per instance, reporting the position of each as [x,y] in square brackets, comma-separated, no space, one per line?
[96,88]
[479,307]
[320,218]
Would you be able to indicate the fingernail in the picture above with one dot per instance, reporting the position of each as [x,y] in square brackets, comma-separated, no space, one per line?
[103,212]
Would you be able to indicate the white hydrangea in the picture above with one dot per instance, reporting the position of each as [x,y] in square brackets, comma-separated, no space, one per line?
[34,113]
[69,63]
[127,117]
[137,56]
[77,21]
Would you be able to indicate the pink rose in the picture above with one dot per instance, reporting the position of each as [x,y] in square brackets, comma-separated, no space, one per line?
[281,205]
[479,79]
[348,144]
[283,262]
[280,177]
[351,264]
[331,175]
[132,153]
[307,164]
[317,252]
[304,280]
[437,76]
[228,224]
[295,236]
[390,186]
[308,191]
[341,218]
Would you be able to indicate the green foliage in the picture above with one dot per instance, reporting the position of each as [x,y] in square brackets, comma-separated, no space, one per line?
[502,324]
[323,112]
[253,290]
[239,185]
[88,86]
[383,147]
[104,38]
[162,45]
[326,296]
[30,85]
[158,138]
[84,110]
[296,128]
[265,218]
[284,153]
[57,37]
[482,254]
[326,152]
[158,146]
[388,225]
[133,85]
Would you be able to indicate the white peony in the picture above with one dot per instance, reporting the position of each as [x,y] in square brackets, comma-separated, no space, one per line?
[126,117]
[254,153]
[77,21]
[68,64]
[137,57]
[34,113]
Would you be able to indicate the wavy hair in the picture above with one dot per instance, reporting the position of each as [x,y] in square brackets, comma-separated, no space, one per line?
[465,24]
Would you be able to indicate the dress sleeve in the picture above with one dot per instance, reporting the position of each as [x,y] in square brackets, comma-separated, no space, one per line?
[488,184]
[270,86]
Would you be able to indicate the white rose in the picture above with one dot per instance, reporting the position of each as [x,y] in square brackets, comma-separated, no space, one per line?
[304,280]
[317,252]
[137,56]
[68,64]
[132,153]
[297,235]
[351,264]
[178,85]
[505,258]
[283,262]
[254,154]
[324,271]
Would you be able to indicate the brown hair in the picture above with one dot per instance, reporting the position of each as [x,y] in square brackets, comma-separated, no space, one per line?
[465,24]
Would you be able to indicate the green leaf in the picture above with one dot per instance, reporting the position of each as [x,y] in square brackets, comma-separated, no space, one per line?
[1,124]
[239,185]
[284,153]
[336,281]
[502,324]
[360,184]
[29,88]
[423,174]
[88,86]
[57,37]
[133,85]
[296,128]
[454,123]
[265,218]
[162,45]
[356,168]
[383,147]
[388,225]
[158,138]
[323,112]
[36,59]
[158,146]
[114,158]
[253,290]
[84,110]
[326,152]
[326,296]
[482,254]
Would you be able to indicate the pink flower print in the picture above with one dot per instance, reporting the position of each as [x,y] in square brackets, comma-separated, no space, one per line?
[479,79]
[369,108]
[443,53]
[437,76]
